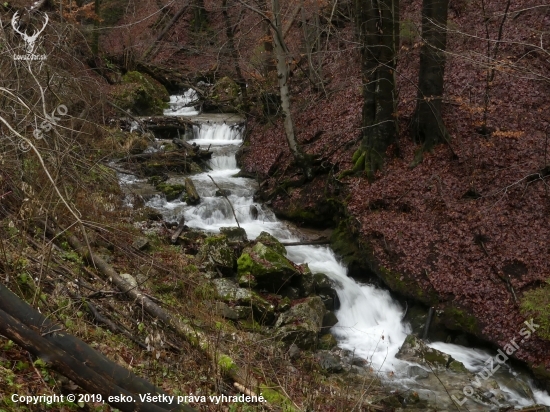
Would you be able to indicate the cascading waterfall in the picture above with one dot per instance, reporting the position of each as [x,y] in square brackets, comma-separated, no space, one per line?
[369,319]
[182,105]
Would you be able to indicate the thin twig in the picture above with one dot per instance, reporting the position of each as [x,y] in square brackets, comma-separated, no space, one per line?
[228,201]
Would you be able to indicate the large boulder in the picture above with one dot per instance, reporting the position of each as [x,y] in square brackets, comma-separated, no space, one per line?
[141,94]
[226,96]
[234,234]
[217,255]
[325,288]
[321,285]
[440,369]
[264,267]
[415,350]
[302,323]
[271,241]
[230,292]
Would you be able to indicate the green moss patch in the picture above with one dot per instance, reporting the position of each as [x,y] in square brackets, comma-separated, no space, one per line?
[536,304]
[141,94]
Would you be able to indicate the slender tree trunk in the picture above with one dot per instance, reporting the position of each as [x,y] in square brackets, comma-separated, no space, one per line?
[164,31]
[200,18]
[283,76]
[97,24]
[429,128]
[308,42]
[378,29]
[268,47]
[230,33]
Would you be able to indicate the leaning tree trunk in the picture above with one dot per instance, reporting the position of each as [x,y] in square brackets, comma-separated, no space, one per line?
[378,27]
[428,127]
[73,358]
[283,77]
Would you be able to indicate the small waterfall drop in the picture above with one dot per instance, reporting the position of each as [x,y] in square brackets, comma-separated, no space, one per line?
[182,105]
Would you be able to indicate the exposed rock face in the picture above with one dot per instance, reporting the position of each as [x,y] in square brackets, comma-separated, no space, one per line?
[264,267]
[438,368]
[217,254]
[302,323]
[234,234]
[230,292]
[269,240]
[141,94]
[415,350]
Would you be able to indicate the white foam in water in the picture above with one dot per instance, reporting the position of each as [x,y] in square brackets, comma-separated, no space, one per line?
[182,105]
[221,163]
[369,320]
[217,134]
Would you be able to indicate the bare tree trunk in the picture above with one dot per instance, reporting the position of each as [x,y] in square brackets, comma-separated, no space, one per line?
[429,128]
[200,18]
[378,27]
[268,47]
[308,40]
[230,33]
[283,77]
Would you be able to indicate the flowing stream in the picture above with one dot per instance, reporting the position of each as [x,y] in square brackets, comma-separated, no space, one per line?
[369,320]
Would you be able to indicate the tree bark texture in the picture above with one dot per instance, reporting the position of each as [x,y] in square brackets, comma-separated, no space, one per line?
[73,358]
[283,72]
[200,18]
[230,33]
[428,127]
[378,30]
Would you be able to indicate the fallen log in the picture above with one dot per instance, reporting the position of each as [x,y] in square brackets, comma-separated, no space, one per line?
[78,356]
[178,230]
[67,365]
[193,197]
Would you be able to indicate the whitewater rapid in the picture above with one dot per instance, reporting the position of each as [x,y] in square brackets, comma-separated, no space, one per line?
[369,320]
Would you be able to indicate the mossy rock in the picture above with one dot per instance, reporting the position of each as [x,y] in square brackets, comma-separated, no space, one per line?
[302,323]
[406,286]
[270,269]
[234,234]
[271,241]
[536,304]
[327,342]
[230,292]
[307,287]
[172,192]
[217,254]
[455,318]
[141,94]
[415,350]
